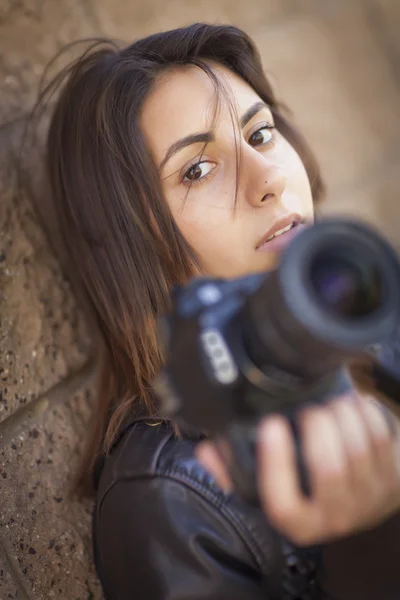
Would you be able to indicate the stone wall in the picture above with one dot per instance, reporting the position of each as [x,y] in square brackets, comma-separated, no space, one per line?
[335,62]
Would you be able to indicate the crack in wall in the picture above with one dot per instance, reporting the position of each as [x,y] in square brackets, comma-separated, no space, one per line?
[28,414]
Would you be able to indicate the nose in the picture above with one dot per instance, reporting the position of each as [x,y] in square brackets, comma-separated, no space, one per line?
[263,181]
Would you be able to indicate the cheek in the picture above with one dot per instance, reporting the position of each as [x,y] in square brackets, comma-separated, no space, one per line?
[199,226]
[210,233]
[206,209]
[298,182]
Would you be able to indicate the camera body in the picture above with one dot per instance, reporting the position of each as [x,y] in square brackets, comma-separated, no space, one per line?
[237,350]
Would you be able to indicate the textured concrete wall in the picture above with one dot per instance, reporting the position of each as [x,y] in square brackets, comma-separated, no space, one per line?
[337,63]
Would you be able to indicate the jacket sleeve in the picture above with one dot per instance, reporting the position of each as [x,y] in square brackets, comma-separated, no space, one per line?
[158,539]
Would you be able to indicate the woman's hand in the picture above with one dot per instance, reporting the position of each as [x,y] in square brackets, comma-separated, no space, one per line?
[352,452]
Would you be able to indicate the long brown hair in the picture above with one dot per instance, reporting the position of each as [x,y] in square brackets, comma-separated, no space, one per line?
[122,241]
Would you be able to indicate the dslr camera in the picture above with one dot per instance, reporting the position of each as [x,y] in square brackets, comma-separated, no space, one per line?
[237,350]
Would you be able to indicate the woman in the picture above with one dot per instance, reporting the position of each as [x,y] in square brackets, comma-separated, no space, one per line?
[169,158]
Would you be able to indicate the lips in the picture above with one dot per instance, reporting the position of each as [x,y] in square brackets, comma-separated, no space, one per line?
[280,227]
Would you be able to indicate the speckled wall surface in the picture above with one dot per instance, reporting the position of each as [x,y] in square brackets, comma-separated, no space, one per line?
[336,63]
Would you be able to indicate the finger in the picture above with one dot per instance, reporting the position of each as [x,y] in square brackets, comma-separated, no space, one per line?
[278,482]
[378,419]
[208,455]
[362,466]
[328,467]
[383,431]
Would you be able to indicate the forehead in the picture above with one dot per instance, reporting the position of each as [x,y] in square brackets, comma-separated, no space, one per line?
[183,100]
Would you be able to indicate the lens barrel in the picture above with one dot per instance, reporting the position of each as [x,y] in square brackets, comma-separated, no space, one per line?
[336,291]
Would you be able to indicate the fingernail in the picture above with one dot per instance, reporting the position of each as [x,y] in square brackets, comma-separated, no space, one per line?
[271,431]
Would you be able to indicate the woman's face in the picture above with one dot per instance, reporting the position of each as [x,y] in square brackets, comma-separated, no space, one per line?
[200,181]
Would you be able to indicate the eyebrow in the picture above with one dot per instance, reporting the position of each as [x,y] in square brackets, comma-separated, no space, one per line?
[194,138]
[250,112]
[208,136]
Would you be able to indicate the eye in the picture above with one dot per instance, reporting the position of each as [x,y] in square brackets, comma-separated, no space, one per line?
[198,171]
[262,136]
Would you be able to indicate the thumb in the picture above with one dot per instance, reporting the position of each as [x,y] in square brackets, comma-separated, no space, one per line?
[209,457]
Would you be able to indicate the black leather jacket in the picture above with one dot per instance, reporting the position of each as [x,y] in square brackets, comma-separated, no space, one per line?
[164,530]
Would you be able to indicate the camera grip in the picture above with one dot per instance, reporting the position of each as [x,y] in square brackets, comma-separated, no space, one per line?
[302,472]
[237,446]
[237,449]
[339,384]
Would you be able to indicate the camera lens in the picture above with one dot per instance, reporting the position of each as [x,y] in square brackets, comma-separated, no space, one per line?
[346,286]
